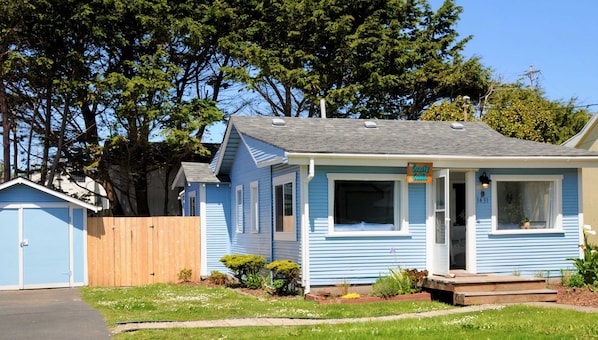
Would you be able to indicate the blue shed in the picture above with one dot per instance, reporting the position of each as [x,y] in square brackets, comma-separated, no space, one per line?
[348,198]
[43,237]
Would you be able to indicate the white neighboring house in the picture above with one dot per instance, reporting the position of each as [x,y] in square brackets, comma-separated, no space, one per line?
[79,186]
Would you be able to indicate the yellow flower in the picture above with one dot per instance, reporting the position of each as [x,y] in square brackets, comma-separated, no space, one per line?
[350,296]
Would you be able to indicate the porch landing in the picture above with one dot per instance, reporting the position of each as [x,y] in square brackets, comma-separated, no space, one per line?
[473,289]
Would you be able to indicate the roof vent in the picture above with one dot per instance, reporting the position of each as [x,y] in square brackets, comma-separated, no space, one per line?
[457,126]
[278,122]
[370,125]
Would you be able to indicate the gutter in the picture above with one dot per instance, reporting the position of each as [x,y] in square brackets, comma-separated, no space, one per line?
[305,267]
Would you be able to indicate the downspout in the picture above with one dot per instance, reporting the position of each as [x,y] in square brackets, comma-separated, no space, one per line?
[305,228]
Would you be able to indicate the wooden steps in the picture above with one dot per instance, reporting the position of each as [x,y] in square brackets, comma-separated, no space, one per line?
[481,289]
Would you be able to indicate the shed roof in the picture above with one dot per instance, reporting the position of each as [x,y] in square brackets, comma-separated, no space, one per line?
[194,172]
[24,181]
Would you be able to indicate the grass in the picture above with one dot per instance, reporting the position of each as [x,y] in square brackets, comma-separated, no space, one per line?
[168,302]
[161,302]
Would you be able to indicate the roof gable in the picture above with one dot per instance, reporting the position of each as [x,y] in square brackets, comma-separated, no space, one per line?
[587,137]
[19,181]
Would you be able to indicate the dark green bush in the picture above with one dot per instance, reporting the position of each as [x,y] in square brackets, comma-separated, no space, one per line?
[285,276]
[255,281]
[243,266]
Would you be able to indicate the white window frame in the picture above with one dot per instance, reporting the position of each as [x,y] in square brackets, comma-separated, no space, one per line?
[281,180]
[557,181]
[239,208]
[400,205]
[192,204]
[254,211]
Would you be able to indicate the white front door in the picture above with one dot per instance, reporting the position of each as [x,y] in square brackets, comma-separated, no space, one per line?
[440,223]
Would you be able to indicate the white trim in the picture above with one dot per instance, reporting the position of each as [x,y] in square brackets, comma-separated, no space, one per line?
[254,207]
[188,200]
[203,232]
[444,161]
[306,174]
[470,231]
[280,180]
[71,248]
[557,199]
[21,250]
[20,180]
[401,210]
[239,215]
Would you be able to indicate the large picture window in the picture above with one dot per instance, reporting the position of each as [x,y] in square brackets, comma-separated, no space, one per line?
[526,202]
[361,203]
[284,207]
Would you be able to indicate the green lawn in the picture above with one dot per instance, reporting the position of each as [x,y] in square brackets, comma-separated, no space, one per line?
[170,302]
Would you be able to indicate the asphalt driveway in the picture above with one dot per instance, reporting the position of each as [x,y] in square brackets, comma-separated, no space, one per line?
[49,314]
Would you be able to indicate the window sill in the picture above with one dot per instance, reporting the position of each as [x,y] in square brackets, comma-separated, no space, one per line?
[369,234]
[526,232]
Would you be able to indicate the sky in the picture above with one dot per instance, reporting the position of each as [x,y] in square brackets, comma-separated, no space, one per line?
[559,38]
[556,38]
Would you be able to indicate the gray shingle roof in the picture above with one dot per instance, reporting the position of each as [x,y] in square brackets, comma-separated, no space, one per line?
[393,137]
[194,172]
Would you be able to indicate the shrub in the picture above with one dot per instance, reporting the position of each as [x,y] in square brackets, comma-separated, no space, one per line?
[285,276]
[587,266]
[403,280]
[243,266]
[575,281]
[385,286]
[218,278]
[185,275]
[255,281]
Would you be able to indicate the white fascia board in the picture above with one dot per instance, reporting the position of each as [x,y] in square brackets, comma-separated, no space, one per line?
[179,179]
[20,180]
[443,161]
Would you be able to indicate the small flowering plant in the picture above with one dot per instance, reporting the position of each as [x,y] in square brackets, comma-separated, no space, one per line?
[587,267]
[351,296]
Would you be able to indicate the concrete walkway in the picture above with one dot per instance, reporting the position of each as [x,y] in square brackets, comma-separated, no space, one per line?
[264,322]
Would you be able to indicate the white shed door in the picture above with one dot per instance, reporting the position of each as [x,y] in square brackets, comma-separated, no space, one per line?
[441,222]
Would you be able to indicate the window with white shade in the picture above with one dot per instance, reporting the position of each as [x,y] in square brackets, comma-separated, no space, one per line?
[284,207]
[526,203]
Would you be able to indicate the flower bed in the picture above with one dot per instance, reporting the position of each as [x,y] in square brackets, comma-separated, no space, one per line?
[327,299]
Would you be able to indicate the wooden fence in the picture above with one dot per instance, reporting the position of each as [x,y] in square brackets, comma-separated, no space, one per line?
[132,251]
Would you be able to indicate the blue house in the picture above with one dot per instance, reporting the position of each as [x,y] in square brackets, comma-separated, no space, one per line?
[347,199]
[43,237]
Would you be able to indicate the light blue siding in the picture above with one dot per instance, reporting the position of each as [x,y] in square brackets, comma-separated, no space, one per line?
[46,257]
[361,260]
[288,250]
[261,151]
[243,172]
[23,193]
[9,248]
[79,217]
[218,225]
[533,253]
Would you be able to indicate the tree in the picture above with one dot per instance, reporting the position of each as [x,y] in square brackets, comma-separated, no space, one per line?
[379,58]
[515,110]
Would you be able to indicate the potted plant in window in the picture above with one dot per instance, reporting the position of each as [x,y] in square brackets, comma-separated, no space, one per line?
[525,223]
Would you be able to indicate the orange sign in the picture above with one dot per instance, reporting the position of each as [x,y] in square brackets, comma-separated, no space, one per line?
[419,172]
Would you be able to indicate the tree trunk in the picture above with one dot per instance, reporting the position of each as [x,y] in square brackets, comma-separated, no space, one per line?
[5,132]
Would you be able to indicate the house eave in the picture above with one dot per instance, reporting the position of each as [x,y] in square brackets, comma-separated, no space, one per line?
[444,161]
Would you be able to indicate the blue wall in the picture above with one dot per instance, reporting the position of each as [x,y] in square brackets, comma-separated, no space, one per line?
[529,254]
[218,225]
[243,172]
[361,260]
